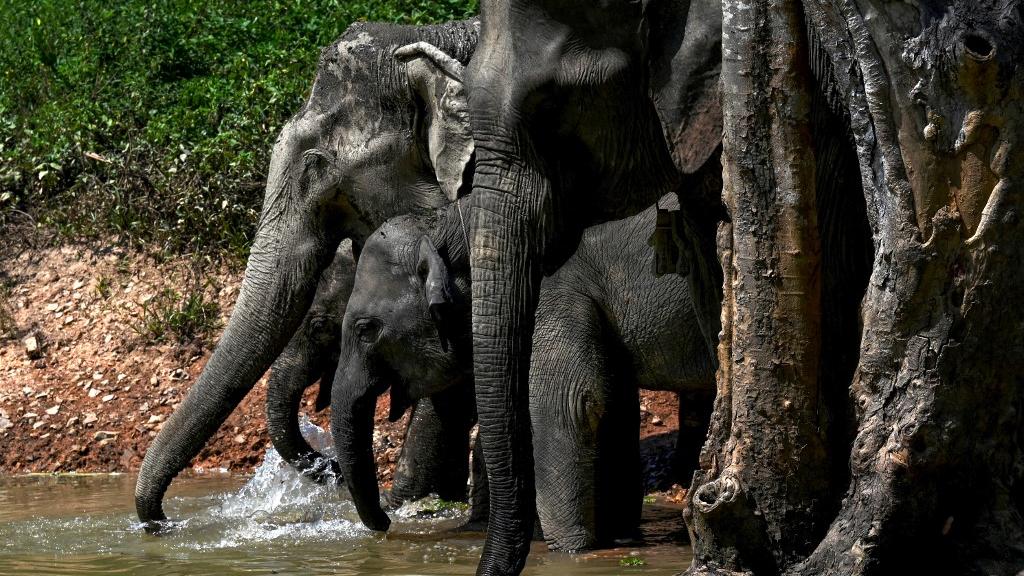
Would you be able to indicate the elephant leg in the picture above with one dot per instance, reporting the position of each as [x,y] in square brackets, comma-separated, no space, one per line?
[695,409]
[569,399]
[435,454]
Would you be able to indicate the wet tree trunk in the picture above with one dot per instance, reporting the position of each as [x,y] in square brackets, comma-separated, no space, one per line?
[936,465]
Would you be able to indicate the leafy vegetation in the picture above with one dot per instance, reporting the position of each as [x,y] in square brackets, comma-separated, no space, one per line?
[631,561]
[180,319]
[154,120]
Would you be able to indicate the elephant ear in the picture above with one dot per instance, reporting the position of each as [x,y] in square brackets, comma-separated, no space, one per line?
[437,288]
[437,79]
[686,61]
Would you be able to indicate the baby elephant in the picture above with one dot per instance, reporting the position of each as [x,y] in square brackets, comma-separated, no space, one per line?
[605,327]
[426,465]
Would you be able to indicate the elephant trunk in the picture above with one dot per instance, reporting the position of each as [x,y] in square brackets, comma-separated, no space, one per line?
[277,290]
[506,271]
[352,413]
[290,377]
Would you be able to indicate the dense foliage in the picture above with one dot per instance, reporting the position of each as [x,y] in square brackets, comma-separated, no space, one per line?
[154,120]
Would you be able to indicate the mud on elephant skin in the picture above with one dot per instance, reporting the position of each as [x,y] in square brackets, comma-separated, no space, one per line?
[379,135]
[605,327]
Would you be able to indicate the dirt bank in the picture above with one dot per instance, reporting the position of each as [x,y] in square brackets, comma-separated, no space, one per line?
[85,382]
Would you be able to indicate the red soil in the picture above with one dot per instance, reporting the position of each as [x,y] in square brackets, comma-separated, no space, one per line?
[99,390]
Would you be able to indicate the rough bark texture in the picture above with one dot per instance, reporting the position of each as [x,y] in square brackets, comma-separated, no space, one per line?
[936,465]
[931,92]
[746,514]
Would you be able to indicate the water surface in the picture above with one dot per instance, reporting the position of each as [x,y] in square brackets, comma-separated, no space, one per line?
[272,522]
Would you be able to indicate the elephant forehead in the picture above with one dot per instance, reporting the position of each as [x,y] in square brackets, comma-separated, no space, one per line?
[383,280]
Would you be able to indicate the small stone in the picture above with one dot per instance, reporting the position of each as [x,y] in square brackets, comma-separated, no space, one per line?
[32,349]
[104,435]
[144,408]
[26,390]
[107,398]
[154,381]
[30,415]
[71,421]
[240,439]
[78,284]
[38,424]
[52,307]
[93,392]
[155,419]
[656,421]
[5,423]
[121,377]
[52,411]
[90,417]
[97,375]
[68,320]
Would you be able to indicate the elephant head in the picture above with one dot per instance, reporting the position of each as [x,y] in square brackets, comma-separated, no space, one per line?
[311,355]
[378,135]
[406,329]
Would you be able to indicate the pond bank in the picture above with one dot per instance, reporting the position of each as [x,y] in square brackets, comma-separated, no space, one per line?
[98,350]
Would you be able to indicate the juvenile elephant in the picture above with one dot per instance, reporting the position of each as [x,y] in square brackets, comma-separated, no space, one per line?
[385,131]
[605,326]
[427,463]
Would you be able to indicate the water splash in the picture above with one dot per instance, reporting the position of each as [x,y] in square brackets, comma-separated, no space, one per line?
[279,503]
[278,493]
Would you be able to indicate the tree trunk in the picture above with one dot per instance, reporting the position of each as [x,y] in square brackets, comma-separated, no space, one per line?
[936,467]
[756,504]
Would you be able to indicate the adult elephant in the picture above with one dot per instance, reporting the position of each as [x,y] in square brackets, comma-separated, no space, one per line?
[581,112]
[376,137]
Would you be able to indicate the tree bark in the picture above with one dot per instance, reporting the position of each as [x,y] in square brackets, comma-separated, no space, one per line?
[936,467]
[756,504]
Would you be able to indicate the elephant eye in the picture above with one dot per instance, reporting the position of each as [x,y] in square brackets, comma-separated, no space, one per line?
[368,330]
[317,324]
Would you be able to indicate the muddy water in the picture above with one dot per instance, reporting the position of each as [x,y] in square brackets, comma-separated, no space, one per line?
[270,523]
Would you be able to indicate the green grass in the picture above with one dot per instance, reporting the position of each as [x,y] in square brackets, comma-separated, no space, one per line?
[179,318]
[153,120]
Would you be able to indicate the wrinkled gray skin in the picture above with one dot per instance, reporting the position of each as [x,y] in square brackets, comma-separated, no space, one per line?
[605,326]
[581,113]
[425,465]
[377,136]
[311,355]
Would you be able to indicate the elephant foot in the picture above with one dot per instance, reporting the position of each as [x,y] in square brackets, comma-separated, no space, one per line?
[576,541]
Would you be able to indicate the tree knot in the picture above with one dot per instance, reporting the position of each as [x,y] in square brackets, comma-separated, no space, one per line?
[714,494]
